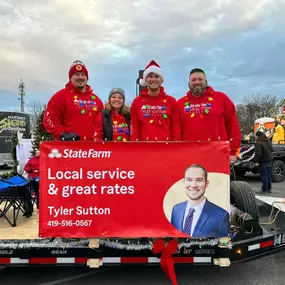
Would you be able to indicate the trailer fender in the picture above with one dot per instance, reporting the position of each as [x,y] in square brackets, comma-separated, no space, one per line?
[243,198]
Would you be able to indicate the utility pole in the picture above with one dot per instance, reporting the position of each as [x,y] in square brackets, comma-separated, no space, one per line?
[22,94]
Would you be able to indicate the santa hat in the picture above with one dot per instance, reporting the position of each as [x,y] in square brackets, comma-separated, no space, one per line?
[152,67]
[77,66]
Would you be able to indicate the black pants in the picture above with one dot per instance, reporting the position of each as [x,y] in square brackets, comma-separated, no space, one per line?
[266,177]
[35,187]
[27,201]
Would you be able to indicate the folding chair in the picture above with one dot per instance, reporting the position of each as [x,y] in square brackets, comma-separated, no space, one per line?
[12,196]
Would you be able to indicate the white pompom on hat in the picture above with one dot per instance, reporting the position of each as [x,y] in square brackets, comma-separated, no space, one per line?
[152,67]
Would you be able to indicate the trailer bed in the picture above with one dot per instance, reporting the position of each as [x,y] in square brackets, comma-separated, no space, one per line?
[21,246]
[27,228]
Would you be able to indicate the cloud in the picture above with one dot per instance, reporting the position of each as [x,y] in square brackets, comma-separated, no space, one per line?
[40,39]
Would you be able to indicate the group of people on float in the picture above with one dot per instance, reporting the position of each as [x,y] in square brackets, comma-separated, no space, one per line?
[77,113]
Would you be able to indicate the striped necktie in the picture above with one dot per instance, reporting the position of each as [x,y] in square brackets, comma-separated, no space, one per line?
[188,222]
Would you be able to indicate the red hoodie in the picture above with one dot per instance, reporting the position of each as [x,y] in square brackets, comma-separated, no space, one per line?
[70,110]
[210,116]
[33,167]
[155,117]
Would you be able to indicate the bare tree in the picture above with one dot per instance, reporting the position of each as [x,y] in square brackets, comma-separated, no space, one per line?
[35,109]
[255,106]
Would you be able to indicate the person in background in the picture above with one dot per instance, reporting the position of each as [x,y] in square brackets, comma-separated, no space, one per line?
[72,111]
[278,136]
[264,159]
[113,124]
[32,167]
[207,114]
[154,113]
[262,128]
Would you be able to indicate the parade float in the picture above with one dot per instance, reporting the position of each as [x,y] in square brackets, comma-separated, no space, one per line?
[116,203]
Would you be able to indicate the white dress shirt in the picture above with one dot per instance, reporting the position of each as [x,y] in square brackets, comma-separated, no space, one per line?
[198,210]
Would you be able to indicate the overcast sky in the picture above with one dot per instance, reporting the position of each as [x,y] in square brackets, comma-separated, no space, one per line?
[240,44]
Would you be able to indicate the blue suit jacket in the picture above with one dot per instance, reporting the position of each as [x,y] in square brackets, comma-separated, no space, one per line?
[213,221]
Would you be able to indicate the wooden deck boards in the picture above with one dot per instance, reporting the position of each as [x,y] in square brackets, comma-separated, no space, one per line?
[27,228]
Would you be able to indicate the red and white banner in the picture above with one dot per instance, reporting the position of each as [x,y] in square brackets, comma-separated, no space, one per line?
[134,189]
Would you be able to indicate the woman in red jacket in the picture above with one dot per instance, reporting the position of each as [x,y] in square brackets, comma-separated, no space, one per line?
[113,123]
[155,115]
[33,169]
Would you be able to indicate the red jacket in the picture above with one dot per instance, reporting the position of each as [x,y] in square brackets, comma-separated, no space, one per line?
[33,167]
[155,117]
[70,110]
[118,123]
[210,116]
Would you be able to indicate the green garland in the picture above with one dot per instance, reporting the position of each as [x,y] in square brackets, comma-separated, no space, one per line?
[40,133]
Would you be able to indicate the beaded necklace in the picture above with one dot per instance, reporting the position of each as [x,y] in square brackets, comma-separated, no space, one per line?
[191,111]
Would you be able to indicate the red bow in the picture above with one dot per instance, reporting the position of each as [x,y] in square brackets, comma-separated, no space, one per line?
[166,260]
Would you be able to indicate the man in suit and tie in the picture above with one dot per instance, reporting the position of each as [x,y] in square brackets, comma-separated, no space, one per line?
[198,217]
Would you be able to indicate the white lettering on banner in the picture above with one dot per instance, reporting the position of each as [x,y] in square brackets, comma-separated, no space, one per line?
[92,211]
[280,239]
[116,174]
[82,176]
[117,189]
[70,190]
[78,174]
[91,153]
[65,175]
[81,211]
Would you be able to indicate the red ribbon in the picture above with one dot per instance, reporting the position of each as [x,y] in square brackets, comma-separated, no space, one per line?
[166,260]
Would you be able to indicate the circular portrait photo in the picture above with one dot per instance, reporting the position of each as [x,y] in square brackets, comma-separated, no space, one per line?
[198,205]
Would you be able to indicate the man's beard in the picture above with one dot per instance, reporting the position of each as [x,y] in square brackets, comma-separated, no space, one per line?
[198,90]
[80,85]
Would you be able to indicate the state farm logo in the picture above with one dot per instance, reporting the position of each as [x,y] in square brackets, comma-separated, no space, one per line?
[54,154]
[80,153]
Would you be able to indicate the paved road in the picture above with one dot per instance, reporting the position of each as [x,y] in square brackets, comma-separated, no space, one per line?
[268,270]
[278,189]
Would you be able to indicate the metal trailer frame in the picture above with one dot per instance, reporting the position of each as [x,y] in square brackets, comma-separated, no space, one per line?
[95,254]
[219,254]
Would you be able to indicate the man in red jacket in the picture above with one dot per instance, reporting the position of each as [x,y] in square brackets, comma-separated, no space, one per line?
[71,112]
[207,114]
[154,114]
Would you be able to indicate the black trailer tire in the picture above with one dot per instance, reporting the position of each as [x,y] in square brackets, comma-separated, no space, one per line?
[244,199]
[278,171]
